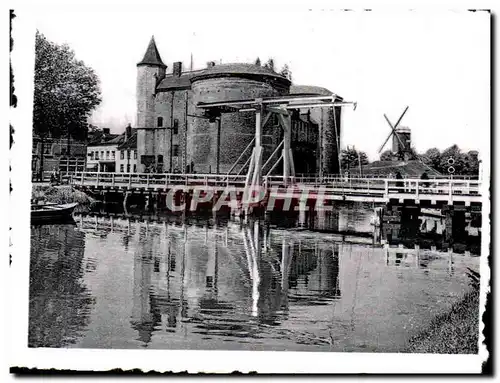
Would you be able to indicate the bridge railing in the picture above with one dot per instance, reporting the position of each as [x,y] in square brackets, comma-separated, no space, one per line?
[362,186]
[154,179]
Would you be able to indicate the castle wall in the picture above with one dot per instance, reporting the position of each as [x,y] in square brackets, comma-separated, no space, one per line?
[175,107]
[329,129]
[237,129]
[194,141]
[147,135]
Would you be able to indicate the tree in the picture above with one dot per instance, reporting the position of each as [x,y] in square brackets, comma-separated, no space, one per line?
[432,157]
[463,163]
[459,160]
[350,158]
[270,64]
[257,62]
[472,162]
[386,155]
[286,72]
[66,91]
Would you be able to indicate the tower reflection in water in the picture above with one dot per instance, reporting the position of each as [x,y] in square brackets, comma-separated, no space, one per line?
[227,281]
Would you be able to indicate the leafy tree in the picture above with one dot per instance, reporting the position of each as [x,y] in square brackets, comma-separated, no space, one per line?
[464,163]
[455,153]
[472,162]
[257,62]
[432,157]
[66,91]
[286,72]
[386,155]
[270,64]
[350,158]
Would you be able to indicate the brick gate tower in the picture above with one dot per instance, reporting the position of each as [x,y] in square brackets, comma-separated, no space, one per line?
[150,140]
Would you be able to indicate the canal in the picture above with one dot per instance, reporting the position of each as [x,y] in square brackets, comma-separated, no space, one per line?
[323,283]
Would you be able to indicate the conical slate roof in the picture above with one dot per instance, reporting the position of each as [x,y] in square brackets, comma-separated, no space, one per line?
[152,56]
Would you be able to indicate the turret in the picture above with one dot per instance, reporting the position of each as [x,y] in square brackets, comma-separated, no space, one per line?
[150,70]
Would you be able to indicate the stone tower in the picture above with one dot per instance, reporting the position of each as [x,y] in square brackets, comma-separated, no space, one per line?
[150,70]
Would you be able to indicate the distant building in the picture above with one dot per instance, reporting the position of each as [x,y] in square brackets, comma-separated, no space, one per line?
[51,154]
[113,152]
[173,135]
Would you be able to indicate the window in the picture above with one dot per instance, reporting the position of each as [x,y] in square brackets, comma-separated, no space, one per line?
[128,154]
[96,155]
[160,159]
[159,122]
[175,150]
[135,154]
[122,154]
[107,154]
[135,168]
[63,151]
[128,168]
[102,154]
[113,154]
[121,168]
[176,126]
[91,155]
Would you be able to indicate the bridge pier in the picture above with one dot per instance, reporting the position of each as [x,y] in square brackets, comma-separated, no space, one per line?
[302,213]
[455,223]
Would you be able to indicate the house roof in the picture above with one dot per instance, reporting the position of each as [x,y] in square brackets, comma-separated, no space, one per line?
[99,138]
[131,142]
[152,56]
[118,140]
[171,82]
[240,70]
[310,90]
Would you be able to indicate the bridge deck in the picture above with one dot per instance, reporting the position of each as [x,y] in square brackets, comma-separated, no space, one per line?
[377,190]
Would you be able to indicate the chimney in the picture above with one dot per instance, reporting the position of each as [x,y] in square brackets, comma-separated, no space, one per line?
[128,132]
[210,64]
[177,69]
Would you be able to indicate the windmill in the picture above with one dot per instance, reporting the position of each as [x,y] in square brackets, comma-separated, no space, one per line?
[404,144]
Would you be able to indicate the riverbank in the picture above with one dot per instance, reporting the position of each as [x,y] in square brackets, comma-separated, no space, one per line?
[454,332]
[62,194]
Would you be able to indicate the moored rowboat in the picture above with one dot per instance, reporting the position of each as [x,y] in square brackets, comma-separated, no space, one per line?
[51,212]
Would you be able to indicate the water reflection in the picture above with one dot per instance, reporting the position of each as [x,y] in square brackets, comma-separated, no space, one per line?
[226,289]
[435,233]
[209,282]
[59,302]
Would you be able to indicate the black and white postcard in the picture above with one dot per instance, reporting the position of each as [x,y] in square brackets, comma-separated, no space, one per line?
[245,188]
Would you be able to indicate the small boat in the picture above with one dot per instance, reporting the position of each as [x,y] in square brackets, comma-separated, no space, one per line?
[51,212]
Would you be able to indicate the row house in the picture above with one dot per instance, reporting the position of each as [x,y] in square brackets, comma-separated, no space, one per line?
[51,154]
[114,153]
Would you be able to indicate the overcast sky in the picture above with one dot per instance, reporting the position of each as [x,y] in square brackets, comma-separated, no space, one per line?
[436,63]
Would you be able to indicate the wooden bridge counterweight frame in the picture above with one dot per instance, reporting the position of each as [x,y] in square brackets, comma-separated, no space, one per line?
[264,108]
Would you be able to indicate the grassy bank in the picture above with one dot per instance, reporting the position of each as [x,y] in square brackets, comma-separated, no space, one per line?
[454,332]
[61,194]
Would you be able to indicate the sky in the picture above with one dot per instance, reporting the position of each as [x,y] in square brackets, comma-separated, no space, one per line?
[437,63]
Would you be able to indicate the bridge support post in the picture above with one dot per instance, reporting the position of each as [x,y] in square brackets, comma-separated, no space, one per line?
[125,200]
[288,164]
[455,224]
[302,213]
